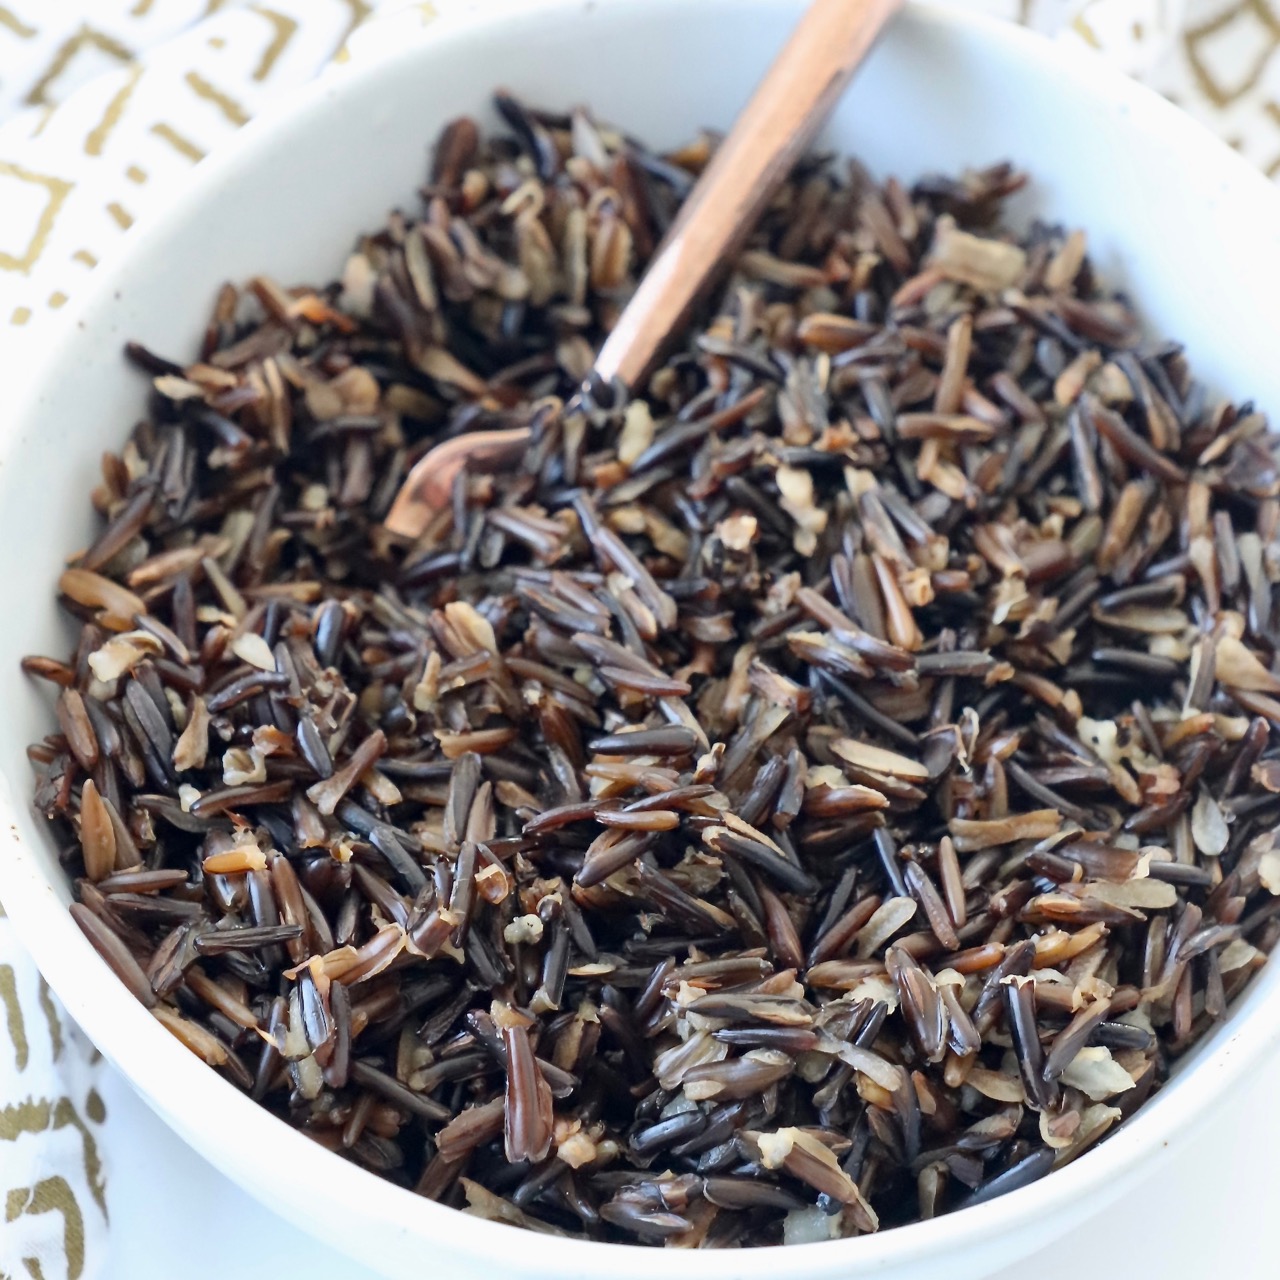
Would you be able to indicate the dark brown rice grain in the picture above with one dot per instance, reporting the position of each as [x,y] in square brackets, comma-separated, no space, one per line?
[836,777]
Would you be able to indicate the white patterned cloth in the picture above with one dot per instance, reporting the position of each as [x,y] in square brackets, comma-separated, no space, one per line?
[105,105]
[52,1181]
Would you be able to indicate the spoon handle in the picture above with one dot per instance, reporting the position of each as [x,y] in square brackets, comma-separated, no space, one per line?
[774,129]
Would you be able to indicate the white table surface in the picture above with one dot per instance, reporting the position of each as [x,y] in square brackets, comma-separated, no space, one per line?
[1215,1216]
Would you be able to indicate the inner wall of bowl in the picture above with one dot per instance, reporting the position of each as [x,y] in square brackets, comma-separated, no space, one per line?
[1185,229]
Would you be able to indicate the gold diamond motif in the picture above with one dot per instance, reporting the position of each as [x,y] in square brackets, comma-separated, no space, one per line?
[283,29]
[85,38]
[1238,43]
[55,190]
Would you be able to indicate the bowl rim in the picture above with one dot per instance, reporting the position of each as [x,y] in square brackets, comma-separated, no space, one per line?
[165,1073]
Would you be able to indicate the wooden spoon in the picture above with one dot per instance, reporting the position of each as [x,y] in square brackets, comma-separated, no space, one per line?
[786,110]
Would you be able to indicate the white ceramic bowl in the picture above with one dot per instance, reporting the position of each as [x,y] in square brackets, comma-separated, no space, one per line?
[1192,230]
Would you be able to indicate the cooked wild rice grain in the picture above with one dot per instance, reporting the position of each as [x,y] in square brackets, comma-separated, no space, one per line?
[821,784]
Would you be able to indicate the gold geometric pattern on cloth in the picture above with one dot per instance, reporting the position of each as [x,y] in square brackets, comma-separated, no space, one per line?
[11,22]
[283,28]
[28,1117]
[97,137]
[230,62]
[84,39]
[14,1020]
[225,103]
[360,12]
[1272,110]
[51,1195]
[1229,52]
[52,1177]
[55,192]
[50,1011]
[184,146]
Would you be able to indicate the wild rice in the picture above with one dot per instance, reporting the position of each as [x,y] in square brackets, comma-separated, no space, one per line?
[825,790]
